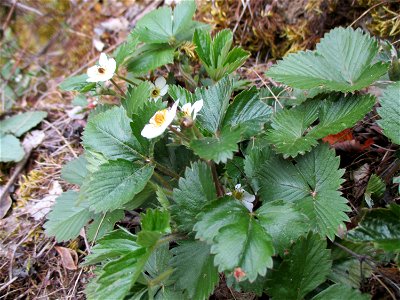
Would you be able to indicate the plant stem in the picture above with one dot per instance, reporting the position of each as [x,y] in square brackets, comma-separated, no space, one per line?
[165,170]
[126,79]
[163,181]
[118,87]
[218,185]
[178,133]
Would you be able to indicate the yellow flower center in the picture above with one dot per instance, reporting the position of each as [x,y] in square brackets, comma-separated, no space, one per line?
[159,117]
[155,93]
[237,194]
[101,70]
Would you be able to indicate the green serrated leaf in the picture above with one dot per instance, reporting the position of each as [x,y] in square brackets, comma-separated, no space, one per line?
[195,190]
[304,268]
[75,171]
[150,57]
[216,100]
[103,224]
[136,97]
[113,245]
[197,276]
[178,92]
[19,124]
[10,148]
[220,148]
[118,276]
[342,61]
[342,292]
[67,217]
[247,111]
[215,54]
[77,83]
[311,184]
[114,184]
[283,223]
[237,239]
[156,220]
[390,112]
[375,188]
[380,226]
[110,133]
[292,133]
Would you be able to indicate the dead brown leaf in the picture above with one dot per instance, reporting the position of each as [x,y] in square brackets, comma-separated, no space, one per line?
[69,257]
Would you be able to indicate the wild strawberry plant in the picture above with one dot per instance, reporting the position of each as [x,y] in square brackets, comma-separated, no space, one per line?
[225,184]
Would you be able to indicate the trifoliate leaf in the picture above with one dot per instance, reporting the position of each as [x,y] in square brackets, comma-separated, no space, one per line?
[216,100]
[390,112]
[10,148]
[219,148]
[136,97]
[342,61]
[126,49]
[247,111]
[283,223]
[19,124]
[311,184]
[237,239]
[380,226]
[110,133]
[195,190]
[67,217]
[292,134]
[215,54]
[304,268]
[113,245]
[103,224]
[75,171]
[197,276]
[342,292]
[114,184]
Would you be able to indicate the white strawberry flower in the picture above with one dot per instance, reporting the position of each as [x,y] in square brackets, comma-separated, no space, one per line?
[246,198]
[160,122]
[192,110]
[159,89]
[103,71]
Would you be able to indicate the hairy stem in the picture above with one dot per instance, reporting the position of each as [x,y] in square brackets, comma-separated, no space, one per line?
[217,183]
[118,87]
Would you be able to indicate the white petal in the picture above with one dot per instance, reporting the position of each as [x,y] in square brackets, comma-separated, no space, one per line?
[111,65]
[95,78]
[229,194]
[92,71]
[150,131]
[187,108]
[248,205]
[238,186]
[248,197]
[160,82]
[103,60]
[171,113]
[164,90]
[197,106]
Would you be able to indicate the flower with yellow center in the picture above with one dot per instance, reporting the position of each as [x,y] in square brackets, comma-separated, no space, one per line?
[103,71]
[159,122]
[240,194]
[159,89]
[190,110]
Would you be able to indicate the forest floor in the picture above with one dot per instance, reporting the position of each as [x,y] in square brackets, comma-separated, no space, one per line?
[44,42]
